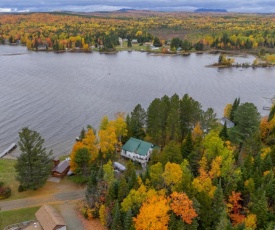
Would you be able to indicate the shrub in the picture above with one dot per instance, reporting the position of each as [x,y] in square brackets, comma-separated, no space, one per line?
[5,192]
[21,188]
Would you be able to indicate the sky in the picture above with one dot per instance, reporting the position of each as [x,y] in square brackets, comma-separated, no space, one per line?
[248,6]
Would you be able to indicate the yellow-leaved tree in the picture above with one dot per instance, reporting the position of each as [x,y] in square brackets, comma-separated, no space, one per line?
[172,175]
[107,139]
[153,214]
[78,145]
[90,142]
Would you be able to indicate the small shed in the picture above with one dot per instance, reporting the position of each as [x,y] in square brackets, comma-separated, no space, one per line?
[61,169]
[50,219]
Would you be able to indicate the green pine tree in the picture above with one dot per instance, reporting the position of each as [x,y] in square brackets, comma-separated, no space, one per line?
[235,106]
[123,189]
[223,223]
[187,146]
[34,164]
[116,223]
[218,204]
[130,175]
[128,221]
[223,134]
[260,208]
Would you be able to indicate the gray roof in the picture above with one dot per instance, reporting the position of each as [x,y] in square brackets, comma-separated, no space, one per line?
[229,124]
[61,167]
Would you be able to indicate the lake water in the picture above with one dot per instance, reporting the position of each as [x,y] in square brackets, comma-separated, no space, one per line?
[58,94]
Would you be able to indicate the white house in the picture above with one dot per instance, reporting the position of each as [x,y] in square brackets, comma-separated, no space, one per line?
[138,150]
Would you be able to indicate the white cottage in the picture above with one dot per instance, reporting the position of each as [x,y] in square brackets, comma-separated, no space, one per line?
[138,150]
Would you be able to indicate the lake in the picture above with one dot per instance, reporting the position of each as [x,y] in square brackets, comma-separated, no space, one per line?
[57,94]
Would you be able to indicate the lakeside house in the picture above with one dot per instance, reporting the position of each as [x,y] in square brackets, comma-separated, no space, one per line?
[42,47]
[138,150]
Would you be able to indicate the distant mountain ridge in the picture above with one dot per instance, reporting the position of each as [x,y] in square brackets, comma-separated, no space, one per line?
[211,10]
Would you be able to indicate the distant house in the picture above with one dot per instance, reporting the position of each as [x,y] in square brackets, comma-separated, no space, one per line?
[138,150]
[61,168]
[148,43]
[42,47]
[50,219]
[229,124]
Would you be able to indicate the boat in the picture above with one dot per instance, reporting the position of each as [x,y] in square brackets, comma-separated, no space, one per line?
[8,150]
[266,108]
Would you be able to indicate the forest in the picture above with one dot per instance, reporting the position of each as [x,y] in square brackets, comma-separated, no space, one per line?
[205,175]
[59,31]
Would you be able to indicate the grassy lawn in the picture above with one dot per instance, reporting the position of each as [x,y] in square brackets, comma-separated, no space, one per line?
[17,216]
[8,174]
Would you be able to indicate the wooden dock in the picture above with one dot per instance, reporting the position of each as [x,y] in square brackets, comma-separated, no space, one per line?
[8,150]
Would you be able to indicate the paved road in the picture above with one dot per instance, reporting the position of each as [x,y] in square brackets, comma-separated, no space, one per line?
[40,200]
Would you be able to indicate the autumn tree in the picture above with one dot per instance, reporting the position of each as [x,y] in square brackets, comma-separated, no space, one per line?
[90,142]
[182,206]
[153,214]
[235,208]
[172,175]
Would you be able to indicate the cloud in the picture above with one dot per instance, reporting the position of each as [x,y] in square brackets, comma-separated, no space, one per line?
[261,6]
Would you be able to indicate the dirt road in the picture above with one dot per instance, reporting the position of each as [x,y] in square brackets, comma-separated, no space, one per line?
[40,200]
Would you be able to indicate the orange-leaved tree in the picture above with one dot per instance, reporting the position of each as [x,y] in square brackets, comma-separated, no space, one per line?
[235,208]
[182,206]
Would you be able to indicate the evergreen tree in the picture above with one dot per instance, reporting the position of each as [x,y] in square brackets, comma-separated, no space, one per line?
[235,105]
[82,160]
[247,119]
[91,185]
[123,189]
[171,153]
[112,193]
[223,223]
[116,223]
[130,175]
[173,120]
[128,221]
[153,121]
[187,146]
[82,134]
[218,205]
[136,122]
[34,164]
[223,134]
[190,114]
[260,208]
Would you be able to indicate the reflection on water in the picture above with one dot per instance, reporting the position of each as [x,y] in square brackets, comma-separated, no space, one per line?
[58,94]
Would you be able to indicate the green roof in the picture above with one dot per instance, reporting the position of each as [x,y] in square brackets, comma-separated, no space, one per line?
[138,146]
